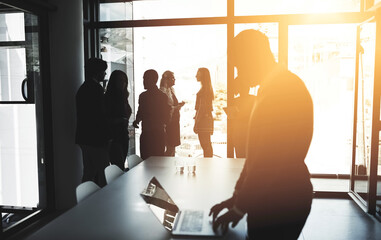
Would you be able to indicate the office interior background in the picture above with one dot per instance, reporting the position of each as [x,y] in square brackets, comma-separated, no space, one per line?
[333,45]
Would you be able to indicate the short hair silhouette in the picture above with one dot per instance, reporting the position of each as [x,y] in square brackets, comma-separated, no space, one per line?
[150,78]
[95,66]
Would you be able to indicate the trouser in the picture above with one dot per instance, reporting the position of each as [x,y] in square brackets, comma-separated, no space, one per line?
[152,143]
[287,229]
[95,160]
[206,144]
[118,150]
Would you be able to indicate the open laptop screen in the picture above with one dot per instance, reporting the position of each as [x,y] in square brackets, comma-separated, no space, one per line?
[160,203]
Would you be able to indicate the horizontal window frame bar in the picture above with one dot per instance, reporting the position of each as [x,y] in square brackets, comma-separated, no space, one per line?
[288,19]
[16,102]
[13,44]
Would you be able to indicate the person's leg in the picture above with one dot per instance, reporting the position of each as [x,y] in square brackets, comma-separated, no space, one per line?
[88,168]
[144,146]
[95,161]
[206,144]
[117,153]
[157,143]
[101,160]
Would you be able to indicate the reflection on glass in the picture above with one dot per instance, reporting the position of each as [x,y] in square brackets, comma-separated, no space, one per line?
[115,11]
[12,73]
[12,27]
[160,203]
[271,7]
[161,9]
[18,156]
[364,108]
[321,56]
[117,50]
[183,50]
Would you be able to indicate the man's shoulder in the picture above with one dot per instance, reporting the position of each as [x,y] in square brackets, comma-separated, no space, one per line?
[88,88]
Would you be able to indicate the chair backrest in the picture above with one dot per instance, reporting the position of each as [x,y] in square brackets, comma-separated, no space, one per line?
[85,189]
[133,160]
[112,172]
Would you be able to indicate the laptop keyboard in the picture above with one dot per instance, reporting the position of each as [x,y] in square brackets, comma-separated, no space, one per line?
[192,221]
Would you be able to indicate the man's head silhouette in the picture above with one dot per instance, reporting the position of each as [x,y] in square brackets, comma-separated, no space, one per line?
[150,78]
[252,56]
[95,69]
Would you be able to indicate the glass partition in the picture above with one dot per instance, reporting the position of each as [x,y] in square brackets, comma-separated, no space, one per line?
[18,156]
[323,56]
[364,109]
[274,7]
[183,50]
[12,27]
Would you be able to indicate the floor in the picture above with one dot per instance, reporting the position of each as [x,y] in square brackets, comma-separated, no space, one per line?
[339,219]
[330,219]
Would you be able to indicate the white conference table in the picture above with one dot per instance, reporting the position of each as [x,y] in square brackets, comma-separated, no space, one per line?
[117,211]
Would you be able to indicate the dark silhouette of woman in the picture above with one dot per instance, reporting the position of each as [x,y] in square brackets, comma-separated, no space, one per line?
[204,123]
[172,129]
[118,112]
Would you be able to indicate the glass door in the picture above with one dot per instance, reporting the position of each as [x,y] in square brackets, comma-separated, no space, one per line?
[366,120]
[21,154]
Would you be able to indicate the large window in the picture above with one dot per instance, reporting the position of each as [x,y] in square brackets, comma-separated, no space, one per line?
[183,50]
[182,36]
[324,56]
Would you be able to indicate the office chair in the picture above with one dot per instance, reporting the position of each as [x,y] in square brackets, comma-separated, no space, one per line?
[133,160]
[112,172]
[85,189]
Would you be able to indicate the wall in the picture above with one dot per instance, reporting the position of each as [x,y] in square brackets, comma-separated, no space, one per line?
[67,74]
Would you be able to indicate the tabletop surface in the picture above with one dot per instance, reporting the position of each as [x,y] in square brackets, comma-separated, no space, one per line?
[117,211]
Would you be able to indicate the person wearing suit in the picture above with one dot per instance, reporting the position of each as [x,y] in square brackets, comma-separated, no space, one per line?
[153,112]
[274,187]
[91,132]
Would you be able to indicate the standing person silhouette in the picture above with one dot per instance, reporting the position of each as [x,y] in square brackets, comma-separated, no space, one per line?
[172,129]
[204,123]
[274,187]
[153,112]
[118,112]
[91,133]
[239,115]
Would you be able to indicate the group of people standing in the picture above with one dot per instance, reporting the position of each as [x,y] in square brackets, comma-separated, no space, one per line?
[159,112]
[103,118]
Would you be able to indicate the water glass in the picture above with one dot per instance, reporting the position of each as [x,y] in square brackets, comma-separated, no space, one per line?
[179,163]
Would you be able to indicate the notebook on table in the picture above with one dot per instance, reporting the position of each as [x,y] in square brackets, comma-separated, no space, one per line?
[184,222]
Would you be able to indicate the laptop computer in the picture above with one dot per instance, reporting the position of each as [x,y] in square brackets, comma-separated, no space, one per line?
[187,222]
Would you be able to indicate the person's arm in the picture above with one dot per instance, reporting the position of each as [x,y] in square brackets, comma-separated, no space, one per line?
[139,114]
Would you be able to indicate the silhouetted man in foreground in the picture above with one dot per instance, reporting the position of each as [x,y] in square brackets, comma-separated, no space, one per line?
[153,111]
[274,188]
[91,133]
